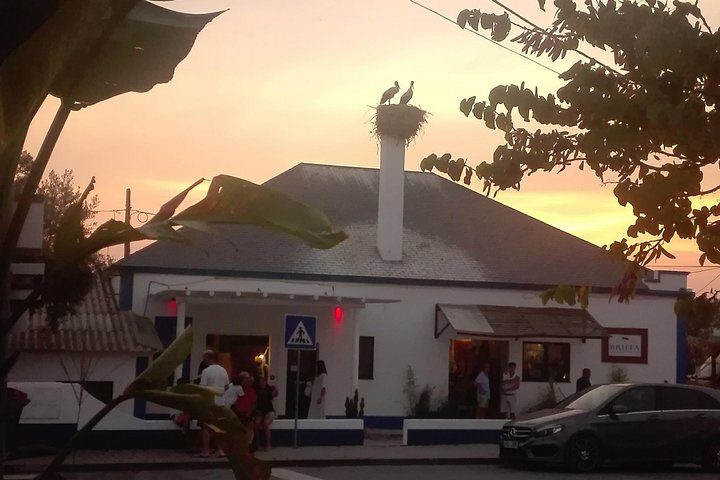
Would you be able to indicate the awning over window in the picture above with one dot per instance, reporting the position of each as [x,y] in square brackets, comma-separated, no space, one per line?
[516,322]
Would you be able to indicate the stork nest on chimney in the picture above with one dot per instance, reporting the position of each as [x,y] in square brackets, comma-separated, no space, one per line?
[399,121]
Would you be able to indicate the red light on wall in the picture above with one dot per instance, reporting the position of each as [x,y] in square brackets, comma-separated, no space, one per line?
[172,306]
[338,314]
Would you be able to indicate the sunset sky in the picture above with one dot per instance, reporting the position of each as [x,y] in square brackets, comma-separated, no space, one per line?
[270,84]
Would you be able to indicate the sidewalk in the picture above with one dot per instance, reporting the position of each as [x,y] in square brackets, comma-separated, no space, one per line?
[100,460]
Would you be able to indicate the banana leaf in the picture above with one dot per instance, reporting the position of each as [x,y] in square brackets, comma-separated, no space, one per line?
[229,200]
[141,52]
[155,376]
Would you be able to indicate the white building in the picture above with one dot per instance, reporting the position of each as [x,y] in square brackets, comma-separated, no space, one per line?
[457,284]
[96,347]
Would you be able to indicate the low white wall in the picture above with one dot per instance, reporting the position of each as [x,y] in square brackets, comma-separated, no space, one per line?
[56,403]
[59,367]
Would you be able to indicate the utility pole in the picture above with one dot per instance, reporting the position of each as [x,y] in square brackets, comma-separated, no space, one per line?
[127,220]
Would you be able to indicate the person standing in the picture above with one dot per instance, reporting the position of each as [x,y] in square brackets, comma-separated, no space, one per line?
[317,399]
[584,381]
[482,384]
[216,377]
[510,387]
[264,411]
[245,405]
[233,392]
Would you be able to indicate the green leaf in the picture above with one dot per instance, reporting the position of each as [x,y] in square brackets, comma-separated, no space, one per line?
[231,200]
[501,27]
[428,163]
[474,19]
[163,366]
[463,18]
[229,431]
[497,95]
[479,110]
[38,57]
[142,51]
[466,105]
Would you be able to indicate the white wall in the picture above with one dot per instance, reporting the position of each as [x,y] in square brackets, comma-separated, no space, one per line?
[48,367]
[404,333]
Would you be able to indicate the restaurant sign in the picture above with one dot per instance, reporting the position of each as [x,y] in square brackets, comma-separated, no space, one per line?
[625,345]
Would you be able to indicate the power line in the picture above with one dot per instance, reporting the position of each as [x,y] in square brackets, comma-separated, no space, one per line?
[120,210]
[486,38]
[709,283]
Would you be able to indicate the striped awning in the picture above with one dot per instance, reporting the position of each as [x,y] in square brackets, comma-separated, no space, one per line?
[516,322]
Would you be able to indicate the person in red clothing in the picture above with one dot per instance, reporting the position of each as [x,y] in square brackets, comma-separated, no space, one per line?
[244,406]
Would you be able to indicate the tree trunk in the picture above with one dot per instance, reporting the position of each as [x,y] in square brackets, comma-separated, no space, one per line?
[8,165]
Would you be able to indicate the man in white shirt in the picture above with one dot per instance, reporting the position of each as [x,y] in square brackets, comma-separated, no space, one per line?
[214,376]
[482,384]
[510,386]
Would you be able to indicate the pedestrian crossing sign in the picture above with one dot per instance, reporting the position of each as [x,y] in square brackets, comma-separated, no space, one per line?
[300,332]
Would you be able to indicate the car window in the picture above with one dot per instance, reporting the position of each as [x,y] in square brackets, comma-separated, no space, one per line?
[637,399]
[590,399]
[679,398]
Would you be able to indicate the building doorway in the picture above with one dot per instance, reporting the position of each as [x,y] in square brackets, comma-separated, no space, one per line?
[308,359]
[238,353]
[466,359]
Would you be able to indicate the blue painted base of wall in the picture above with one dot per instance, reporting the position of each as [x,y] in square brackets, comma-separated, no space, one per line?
[452,437]
[57,435]
[387,423]
[53,435]
[307,438]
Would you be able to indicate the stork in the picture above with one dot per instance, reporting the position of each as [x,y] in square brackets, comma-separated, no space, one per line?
[407,95]
[390,93]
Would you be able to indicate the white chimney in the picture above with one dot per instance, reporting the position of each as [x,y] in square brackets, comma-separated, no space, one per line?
[390,199]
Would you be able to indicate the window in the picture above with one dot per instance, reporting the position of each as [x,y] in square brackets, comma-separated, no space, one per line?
[103,391]
[678,398]
[366,364]
[543,361]
[637,399]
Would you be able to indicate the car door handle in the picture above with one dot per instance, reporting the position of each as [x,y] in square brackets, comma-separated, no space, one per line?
[653,418]
[700,415]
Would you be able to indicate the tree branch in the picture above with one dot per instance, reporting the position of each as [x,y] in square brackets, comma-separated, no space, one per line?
[18,312]
[712,190]
[31,184]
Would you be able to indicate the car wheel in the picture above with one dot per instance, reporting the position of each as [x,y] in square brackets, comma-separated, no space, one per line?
[583,454]
[711,460]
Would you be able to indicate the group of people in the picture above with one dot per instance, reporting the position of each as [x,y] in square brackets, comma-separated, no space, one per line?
[251,399]
[509,388]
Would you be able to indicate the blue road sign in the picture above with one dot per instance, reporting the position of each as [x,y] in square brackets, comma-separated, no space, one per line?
[300,332]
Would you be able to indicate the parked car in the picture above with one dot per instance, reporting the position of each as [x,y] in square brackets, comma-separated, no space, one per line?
[621,423]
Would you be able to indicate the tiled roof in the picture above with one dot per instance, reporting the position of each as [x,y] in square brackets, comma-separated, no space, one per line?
[451,234]
[97,326]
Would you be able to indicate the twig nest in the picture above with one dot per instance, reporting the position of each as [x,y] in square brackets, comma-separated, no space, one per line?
[399,121]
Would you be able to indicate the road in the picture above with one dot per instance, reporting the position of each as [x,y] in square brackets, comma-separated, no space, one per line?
[409,472]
